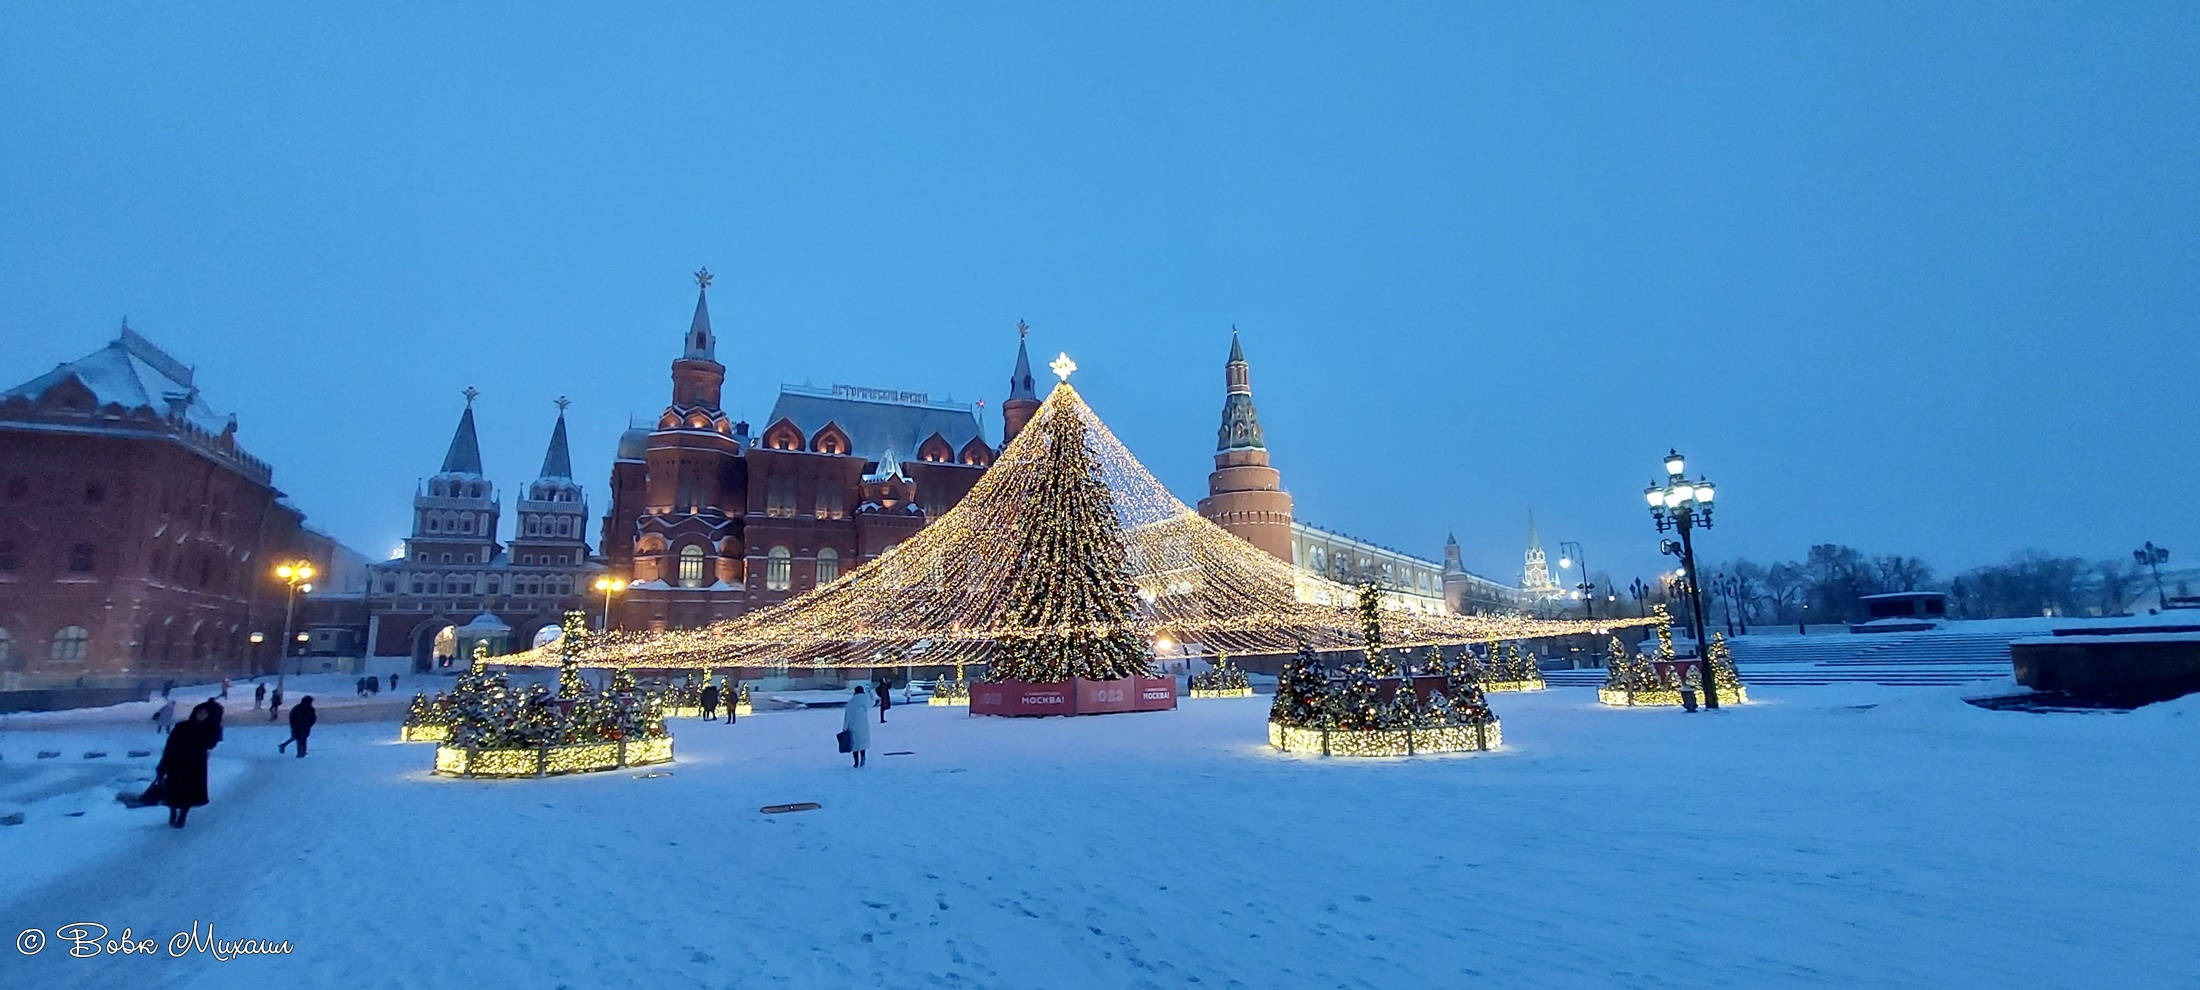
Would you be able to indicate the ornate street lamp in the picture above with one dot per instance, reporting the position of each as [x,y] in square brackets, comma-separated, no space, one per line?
[298,574]
[1587,589]
[609,586]
[1682,505]
[1730,594]
[2153,557]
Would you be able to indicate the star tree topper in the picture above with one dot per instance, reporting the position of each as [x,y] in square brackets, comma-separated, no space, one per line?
[1063,366]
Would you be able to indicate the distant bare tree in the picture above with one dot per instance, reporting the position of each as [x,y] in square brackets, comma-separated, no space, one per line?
[1784,588]
[2118,578]
[1901,573]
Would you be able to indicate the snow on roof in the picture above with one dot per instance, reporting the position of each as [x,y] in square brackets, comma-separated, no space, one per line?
[133,372]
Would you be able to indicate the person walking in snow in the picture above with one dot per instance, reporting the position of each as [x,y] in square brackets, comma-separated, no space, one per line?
[733,698]
[393,680]
[182,769]
[1691,682]
[225,687]
[856,721]
[259,695]
[302,717]
[274,704]
[164,719]
[885,699]
[167,686]
[710,702]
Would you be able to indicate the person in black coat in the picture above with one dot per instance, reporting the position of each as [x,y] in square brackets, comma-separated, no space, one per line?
[302,717]
[182,769]
[214,715]
[885,698]
[710,701]
[259,695]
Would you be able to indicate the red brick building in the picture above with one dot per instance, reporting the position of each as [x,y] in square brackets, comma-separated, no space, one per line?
[707,521]
[137,538]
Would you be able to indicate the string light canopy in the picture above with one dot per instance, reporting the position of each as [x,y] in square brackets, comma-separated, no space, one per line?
[942,596]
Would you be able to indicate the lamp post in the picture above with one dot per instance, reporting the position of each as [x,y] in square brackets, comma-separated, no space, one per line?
[298,575]
[1730,592]
[1567,559]
[609,586]
[2153,557]
[1682,505]
[1641,593]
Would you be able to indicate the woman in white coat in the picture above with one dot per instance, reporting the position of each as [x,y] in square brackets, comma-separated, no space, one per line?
[856,722]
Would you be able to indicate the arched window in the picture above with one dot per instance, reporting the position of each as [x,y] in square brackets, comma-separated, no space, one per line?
[691,567]
[80,562]
[435,524]
[828,565]
[778,569]
[71,645]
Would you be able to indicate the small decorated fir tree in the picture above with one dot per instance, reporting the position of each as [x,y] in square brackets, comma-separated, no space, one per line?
[1357,703]
[1403,710]
[1371,630]
[1302,693]
[1723,673]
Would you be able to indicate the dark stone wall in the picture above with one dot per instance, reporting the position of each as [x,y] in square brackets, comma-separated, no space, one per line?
[2133,672]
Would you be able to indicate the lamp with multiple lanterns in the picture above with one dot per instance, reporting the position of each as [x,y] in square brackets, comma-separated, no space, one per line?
[1586,590]
[298,575]
[1682,505]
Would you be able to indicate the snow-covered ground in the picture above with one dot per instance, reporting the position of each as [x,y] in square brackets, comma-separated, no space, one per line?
[1802,841]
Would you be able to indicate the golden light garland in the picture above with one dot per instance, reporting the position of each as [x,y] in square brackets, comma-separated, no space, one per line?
[1387,742]
[549,761]
[940,597]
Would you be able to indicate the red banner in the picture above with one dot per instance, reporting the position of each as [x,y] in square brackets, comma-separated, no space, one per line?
[1015,698]
[1073,697]
[1156,694]
[1106,697]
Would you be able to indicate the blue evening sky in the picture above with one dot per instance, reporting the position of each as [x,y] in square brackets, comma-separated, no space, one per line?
[1916,277]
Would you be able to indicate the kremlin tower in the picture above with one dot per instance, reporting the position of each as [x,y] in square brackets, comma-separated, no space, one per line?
[1244,494]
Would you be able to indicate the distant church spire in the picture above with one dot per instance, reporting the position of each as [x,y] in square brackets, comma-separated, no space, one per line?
[1019,381]
[1023,399]
[557,462]
[1240,421]
[464,455]
[702,345]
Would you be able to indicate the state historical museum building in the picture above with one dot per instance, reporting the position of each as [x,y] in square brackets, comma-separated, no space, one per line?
[707,521]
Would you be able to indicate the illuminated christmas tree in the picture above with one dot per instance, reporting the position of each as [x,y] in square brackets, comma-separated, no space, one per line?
[1302,692]
[1070,591]
[1357,703]
[1371,630]
[1723,674]
[1222,676]
[1403,710]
